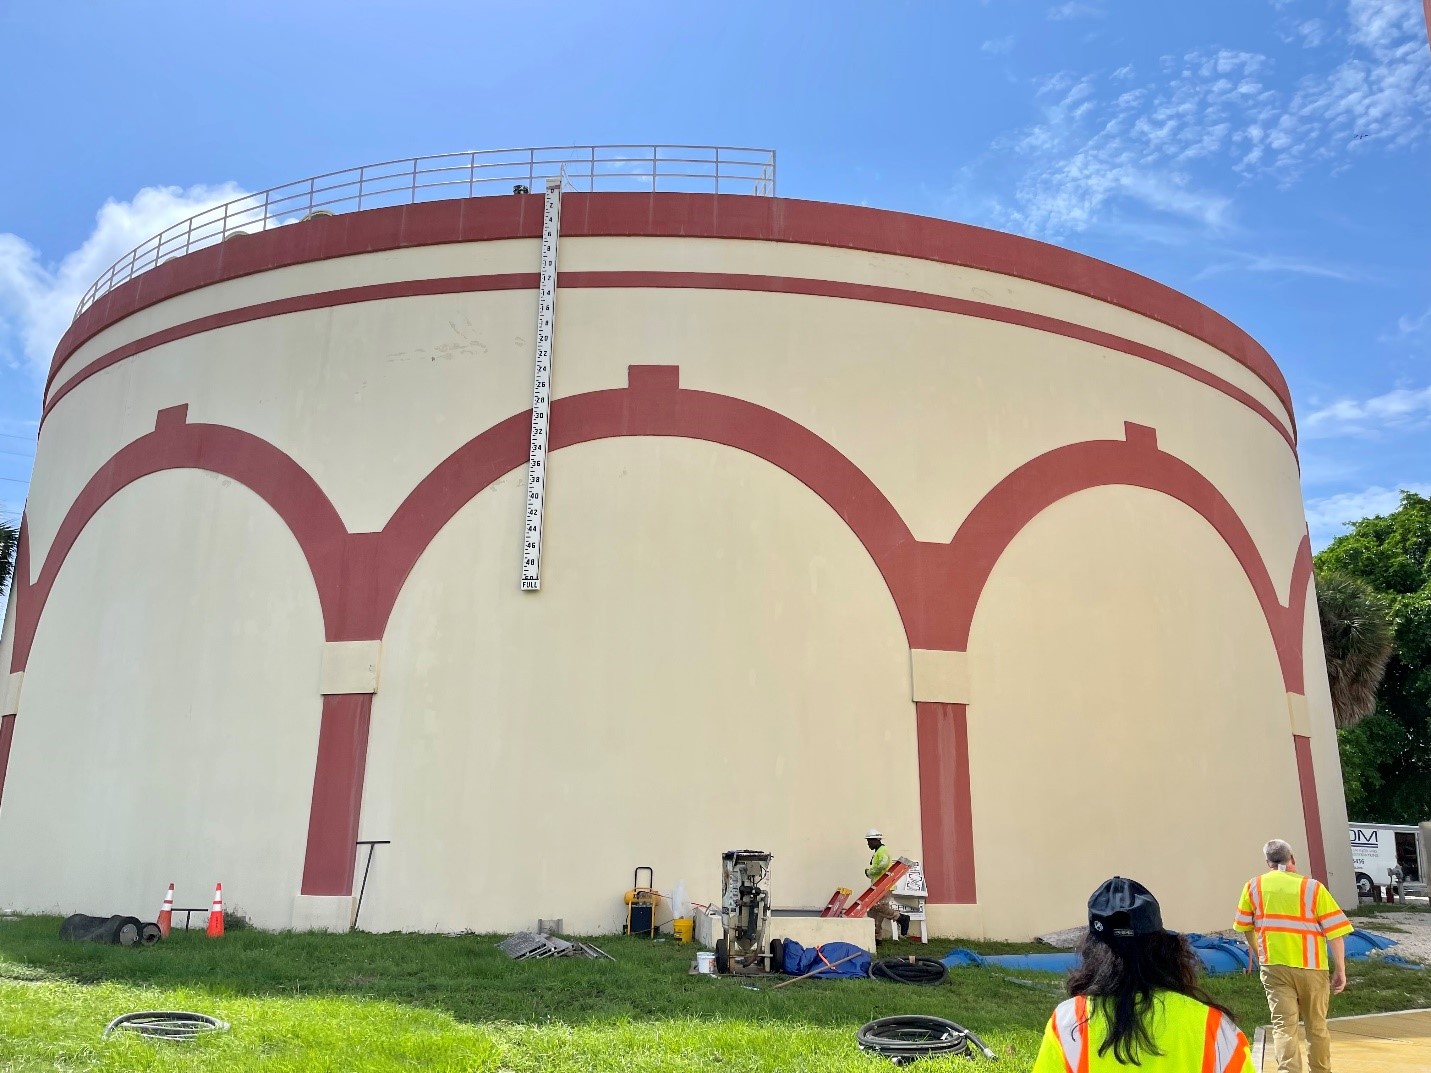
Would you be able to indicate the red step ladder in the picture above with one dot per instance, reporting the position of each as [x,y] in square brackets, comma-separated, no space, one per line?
[836,904]
[877,893]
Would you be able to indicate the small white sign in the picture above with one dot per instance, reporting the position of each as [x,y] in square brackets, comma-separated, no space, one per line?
[912,885]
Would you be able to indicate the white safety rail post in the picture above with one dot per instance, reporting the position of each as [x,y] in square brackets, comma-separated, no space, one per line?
[542,392]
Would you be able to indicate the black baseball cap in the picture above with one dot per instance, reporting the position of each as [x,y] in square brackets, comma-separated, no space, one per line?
[1123,909]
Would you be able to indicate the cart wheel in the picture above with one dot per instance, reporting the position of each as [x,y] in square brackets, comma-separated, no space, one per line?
[722,957]
[777,956]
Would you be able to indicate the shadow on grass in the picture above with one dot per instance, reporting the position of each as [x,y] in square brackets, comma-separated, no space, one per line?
[468,978]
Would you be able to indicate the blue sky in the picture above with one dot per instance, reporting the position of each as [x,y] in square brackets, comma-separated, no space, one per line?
[1269,157]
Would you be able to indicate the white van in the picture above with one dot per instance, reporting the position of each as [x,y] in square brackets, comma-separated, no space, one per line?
[1379,847]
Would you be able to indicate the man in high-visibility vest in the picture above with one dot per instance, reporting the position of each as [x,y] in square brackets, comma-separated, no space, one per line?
[880,862]
[1291,920]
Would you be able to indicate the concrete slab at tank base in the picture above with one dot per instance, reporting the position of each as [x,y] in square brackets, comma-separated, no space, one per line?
[1376,1043]
[817,930]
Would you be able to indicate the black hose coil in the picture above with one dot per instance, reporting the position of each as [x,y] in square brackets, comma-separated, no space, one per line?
[912,1036]
[927,972]
[167,1024]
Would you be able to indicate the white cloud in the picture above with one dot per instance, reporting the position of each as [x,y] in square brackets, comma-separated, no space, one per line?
[1398,409]
[38,298]
[1273,263]
[1296,29]
[1171,194]
[1380,91]
[1169,143]
[1408,327]
[1330,516]
[1100,146]
[998,46]
[1074,9]
[1312,32]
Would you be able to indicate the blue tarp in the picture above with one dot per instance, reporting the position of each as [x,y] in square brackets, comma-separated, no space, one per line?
[1218,955]
[800,960]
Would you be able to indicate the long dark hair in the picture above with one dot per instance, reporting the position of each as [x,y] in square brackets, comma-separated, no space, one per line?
[1122,980]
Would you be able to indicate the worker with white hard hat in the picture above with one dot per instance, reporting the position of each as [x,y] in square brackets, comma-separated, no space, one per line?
[880,862]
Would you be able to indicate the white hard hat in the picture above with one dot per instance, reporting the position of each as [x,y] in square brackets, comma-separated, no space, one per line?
[873,832]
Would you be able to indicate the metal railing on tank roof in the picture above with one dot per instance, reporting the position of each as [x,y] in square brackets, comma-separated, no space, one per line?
[639,168]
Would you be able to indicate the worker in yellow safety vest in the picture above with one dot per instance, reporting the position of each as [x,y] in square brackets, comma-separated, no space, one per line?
[1290,921]
[1135,999]
[886,909]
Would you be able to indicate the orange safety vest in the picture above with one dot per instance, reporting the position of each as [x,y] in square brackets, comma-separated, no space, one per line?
[1192,1037]
[1293,917]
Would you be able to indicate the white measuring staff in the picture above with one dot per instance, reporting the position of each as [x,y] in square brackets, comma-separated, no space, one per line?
[542,392]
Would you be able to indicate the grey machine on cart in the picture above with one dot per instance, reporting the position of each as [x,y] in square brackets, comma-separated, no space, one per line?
[745,913]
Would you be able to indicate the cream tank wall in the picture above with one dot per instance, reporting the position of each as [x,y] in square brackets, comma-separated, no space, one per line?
[852,518]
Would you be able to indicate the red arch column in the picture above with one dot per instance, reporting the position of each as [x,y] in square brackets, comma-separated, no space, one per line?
[960,570]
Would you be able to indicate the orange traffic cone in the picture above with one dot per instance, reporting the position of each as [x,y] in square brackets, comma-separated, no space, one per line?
[216,913]
[166,914]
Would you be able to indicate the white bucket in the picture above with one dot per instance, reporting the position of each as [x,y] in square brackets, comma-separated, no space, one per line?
[705,962]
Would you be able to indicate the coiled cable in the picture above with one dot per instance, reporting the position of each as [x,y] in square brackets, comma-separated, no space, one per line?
[927,972]
[912,1036]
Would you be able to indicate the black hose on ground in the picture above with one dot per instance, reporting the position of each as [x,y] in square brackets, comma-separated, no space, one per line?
[911,970]
[912,1036]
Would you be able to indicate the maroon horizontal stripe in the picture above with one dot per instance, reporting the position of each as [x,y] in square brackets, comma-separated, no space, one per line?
[678,280]
[864,292]
[511,281]
[676,215]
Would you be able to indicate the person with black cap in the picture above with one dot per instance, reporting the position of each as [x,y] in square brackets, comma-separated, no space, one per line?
[1136,999]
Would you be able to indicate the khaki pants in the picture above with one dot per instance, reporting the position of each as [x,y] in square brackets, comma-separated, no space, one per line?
[1299,995]
[882,911]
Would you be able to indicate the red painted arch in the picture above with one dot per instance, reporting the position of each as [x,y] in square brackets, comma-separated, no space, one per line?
[1135,462]
[676,215]
[935,586]
[653,404]
[174,444]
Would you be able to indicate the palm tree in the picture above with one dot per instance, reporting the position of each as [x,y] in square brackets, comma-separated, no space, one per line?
[1358,638]
[9,546]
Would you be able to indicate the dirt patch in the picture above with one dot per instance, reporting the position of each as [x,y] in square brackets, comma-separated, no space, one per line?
[1412,932]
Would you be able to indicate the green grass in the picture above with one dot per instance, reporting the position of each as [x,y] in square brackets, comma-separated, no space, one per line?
[379,1002]
[1367,909]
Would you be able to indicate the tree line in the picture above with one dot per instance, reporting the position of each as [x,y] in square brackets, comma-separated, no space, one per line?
[9,548]
[1374,595]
